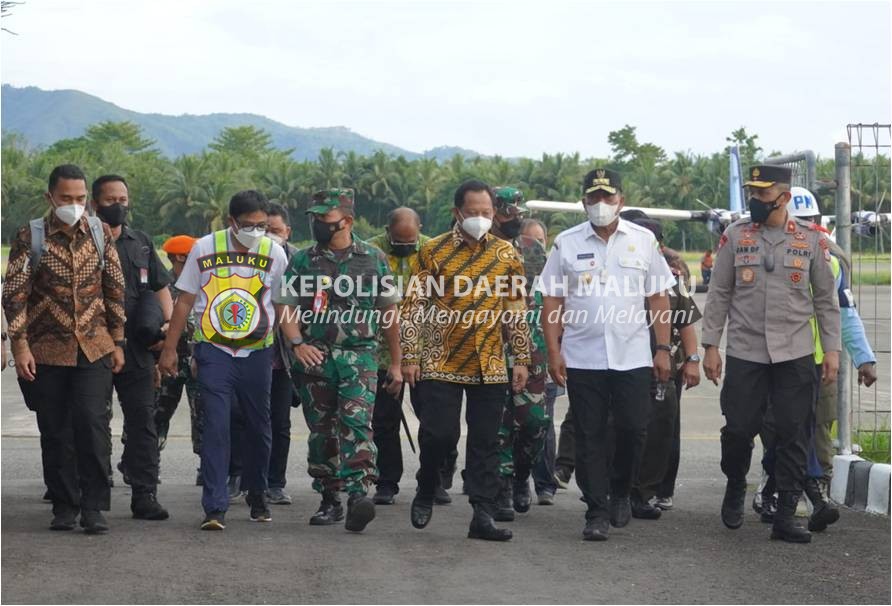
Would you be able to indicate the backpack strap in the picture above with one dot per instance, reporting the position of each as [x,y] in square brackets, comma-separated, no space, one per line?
[38,236]
[98,239]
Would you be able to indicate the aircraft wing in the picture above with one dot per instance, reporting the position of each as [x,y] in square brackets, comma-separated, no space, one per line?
[660,214]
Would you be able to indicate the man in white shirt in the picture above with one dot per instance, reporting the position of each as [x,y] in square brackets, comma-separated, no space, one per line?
[228,280]
[604,282]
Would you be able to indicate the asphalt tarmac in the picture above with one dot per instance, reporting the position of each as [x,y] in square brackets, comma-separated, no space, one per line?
[687,556]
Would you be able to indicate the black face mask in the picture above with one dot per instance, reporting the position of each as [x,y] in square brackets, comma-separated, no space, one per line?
[323,232]
[403,250]
[114,215]
[759,211]
[511,229]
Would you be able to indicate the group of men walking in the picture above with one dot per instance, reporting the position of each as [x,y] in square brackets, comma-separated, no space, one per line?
[480,314]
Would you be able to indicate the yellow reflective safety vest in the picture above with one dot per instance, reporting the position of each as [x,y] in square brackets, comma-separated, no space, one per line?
[819,350]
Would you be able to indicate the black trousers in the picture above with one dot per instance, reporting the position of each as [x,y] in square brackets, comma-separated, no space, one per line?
[440,417]
[566,447]
[386,423]
[667,486]
[72,415]
[662,421]
[748,387]
[594,395]
[280,399]
[136,392]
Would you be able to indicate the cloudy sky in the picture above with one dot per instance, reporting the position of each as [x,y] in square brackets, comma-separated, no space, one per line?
[511,78]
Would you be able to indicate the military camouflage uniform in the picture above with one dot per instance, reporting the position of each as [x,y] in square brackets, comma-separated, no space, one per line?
[525,421]
[167,397]
[339,394]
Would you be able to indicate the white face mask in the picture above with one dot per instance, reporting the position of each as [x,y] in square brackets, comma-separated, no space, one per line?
[476,227]
[249,237]
[601,214]
[277,239]
[70,214]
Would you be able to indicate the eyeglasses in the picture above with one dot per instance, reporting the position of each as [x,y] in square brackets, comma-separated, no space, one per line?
[262,226]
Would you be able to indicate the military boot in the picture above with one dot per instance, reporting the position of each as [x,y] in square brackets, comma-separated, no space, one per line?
[360,511]
[504,509]
[769,508]
[330,511]
[521,497]
[145,506]
[823,513]
[733,503]
[482,526]
[785,527]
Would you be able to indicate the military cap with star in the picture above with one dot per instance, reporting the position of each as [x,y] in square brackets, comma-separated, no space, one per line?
[330,199]
[766,175]
[602,179]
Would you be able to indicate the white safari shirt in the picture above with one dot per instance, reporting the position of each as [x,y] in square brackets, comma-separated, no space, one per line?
[234,293]
[604,285]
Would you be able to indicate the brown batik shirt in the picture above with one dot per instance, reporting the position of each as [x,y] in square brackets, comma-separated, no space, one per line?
[67,302]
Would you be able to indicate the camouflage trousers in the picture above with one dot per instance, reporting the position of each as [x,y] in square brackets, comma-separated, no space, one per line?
[525,421]
[338,398]
[167,398]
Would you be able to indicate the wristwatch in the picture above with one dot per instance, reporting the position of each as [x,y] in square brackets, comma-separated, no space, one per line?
[298,340]
[665,348]
[693,358]
[122,343]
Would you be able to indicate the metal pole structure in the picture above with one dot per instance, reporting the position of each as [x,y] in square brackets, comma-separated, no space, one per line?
[811,170]
[844,240]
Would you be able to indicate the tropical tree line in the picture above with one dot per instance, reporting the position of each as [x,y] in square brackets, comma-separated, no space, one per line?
[190,194]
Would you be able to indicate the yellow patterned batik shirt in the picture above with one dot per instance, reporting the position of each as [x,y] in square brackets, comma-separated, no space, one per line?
[452,318]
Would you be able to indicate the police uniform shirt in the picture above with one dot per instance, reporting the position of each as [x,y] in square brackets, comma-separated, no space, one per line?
[205,263]
[142,271]
[605,324]
[767,282]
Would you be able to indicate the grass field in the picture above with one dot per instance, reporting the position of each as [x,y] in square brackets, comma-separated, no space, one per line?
[869,269]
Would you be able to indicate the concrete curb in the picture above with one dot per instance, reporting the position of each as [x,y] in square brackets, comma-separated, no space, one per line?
[861,484]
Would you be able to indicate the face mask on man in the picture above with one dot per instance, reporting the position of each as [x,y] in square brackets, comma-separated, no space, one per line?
[760,211]
[476,227]
[323,232]
[403,249]
[601,214]
[69,214]
[249,237]
[114,214]
[511,228]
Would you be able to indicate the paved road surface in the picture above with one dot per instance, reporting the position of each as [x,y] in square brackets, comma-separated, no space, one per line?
[687,556]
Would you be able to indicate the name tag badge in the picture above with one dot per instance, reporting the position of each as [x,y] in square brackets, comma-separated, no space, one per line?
[143,275]
[590,255]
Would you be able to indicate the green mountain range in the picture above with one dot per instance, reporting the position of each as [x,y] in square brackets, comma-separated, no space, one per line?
[43,117]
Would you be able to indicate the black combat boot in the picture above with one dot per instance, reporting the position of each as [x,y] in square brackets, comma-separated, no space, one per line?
[733,503]
[482,526]
[93,522]
[330,511]
[504,508]
[145,506]
[360,511]
[521,497]
[769,508]
[785,527]
[421,512]
[823,513]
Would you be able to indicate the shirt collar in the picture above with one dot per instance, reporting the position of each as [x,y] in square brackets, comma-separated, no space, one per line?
[356,248]
[622,227]
[458,238]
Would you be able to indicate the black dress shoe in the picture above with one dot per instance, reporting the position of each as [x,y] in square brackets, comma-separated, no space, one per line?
[596,529]
[482,527]
[147,507]
[421,513]
[384,494]
[733,503]
[644,510]
[360,511]
[93,522]
[620,511]
[64,519]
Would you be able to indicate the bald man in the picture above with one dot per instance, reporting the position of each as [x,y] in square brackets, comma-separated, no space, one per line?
[401,241]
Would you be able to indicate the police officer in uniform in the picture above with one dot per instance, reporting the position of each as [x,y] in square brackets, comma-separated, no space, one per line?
[148,306]
[772,273]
